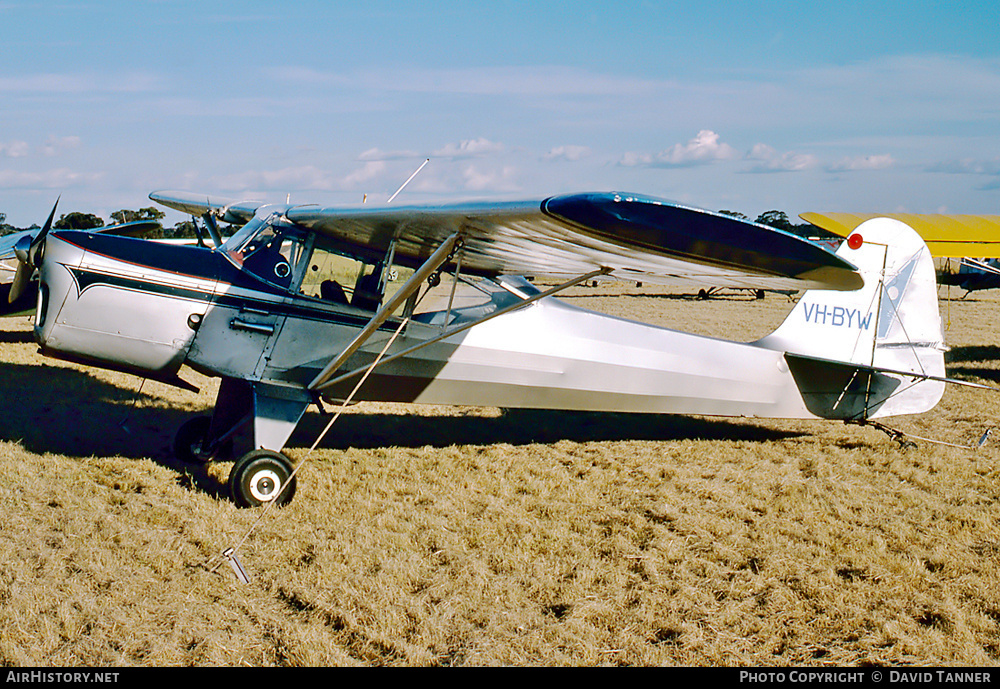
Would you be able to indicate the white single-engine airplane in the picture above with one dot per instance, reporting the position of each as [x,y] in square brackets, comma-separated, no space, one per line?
[264,312]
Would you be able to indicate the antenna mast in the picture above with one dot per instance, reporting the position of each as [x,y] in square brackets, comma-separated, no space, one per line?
[408,180]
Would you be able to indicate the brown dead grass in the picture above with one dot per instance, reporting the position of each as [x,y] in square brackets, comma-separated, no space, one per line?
[457,536]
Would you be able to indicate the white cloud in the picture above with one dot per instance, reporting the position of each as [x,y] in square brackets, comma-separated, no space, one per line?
[912,87]
[379,154]
[761,152]
[285,180]
[14,149]
[82,83]
[52,179]
[973,166]
[969,166]
[53,146]
[528,80]
[470,148]
[632,159]
[56,145]
[767,159]
[872,162]
[501,180]
[702,149]
[366,173]
[569,153]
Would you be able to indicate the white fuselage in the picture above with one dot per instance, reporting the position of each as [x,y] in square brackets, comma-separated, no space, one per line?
[545,355]
[122,303]
[555,356]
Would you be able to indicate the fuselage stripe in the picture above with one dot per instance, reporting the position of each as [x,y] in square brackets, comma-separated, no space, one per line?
[87,278]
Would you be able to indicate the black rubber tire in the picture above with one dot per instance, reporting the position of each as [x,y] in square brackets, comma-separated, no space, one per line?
[258,476]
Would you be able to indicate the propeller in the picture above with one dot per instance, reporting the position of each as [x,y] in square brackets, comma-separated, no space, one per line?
[28,251]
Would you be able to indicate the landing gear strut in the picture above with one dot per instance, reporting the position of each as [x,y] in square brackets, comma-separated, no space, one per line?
[258,477]
[191,446]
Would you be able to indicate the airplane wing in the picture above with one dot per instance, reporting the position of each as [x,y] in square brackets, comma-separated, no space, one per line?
[634,237]
[228,210]
[947,236]
[8,241]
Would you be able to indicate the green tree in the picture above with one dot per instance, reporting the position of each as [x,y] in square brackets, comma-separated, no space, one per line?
[182,230]
[777,219]
[154,215]
[124,215]
[780,220]
[78,221]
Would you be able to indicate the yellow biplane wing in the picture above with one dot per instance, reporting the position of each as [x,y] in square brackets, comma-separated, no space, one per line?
[947,236]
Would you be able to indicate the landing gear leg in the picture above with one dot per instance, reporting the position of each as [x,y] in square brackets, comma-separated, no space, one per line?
[250,416]
[191,444]
[208,438]
[896,435]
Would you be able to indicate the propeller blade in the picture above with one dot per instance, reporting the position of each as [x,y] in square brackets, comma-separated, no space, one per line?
[48,223]
[21,278]
[27,257]
[40,237]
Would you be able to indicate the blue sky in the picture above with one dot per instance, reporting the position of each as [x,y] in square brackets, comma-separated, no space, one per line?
[725,105]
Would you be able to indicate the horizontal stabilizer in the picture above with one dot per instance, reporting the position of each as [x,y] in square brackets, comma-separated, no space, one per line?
[839,390]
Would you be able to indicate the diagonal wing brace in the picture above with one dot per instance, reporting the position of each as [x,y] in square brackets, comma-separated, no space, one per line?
[433,262]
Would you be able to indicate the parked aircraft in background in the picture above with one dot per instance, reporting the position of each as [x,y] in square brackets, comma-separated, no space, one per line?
[973,275]
[947,236]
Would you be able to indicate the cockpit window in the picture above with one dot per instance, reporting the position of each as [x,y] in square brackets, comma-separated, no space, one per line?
[337,278]
[272,252]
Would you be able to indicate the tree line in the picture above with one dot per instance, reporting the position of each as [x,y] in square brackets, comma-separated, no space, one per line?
[88,221]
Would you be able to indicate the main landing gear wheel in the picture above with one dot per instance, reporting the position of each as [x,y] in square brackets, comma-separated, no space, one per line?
[189,443]
[259,477]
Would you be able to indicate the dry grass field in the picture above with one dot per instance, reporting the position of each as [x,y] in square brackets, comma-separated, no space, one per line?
[458,536]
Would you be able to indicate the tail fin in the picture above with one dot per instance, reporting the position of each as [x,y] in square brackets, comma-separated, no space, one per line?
[851,352]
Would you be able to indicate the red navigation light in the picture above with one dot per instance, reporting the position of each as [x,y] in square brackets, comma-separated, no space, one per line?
[855,241]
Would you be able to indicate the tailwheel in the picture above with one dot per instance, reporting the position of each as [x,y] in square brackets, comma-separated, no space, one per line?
[190,442]
[260,477]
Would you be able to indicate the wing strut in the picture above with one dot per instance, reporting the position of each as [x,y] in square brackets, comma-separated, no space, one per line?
[440,256]
[326,382]
[213,229]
